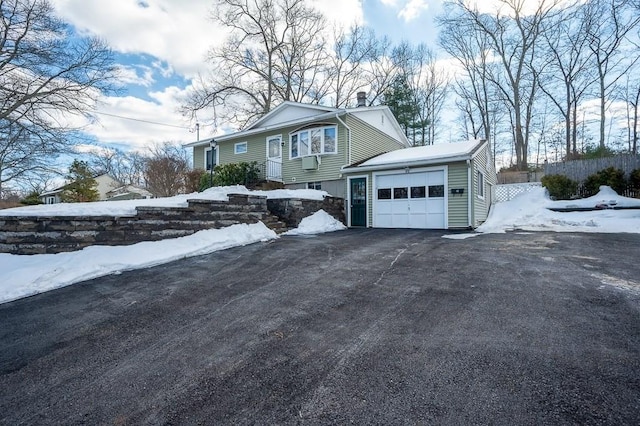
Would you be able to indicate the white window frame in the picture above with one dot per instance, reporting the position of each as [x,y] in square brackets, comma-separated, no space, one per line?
[315,184]
[217,157]
[237,148]
[308,130]
[480,184]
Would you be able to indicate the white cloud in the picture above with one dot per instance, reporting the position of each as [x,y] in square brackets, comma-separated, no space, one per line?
[412,10]
[341,12]
[137,75]
[140,123]
[177,35]
[176,31]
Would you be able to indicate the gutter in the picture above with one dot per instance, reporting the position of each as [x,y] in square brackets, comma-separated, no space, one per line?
[277,126]
[404,164]
[348,140]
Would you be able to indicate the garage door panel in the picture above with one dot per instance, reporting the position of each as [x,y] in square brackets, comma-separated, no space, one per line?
[402,200]
[435,206]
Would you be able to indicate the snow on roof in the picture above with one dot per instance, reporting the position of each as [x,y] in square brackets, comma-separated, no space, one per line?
[424,153]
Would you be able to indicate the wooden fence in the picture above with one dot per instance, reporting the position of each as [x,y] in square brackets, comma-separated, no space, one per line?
[579,170]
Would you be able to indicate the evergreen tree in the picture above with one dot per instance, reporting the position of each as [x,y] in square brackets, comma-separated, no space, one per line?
[400,99]
[81,186]
[31,199]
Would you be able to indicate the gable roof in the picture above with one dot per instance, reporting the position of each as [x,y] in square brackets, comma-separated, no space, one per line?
[421,156]
[294,113]
[289,111]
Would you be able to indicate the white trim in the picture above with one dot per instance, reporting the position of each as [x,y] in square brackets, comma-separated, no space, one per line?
[321,127]
[399,138]
[478,187]
[239,144]
[366,209]
[443,168]
[274,136]
[470,189]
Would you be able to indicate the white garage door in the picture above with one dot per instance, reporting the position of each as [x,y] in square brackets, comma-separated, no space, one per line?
[410,200]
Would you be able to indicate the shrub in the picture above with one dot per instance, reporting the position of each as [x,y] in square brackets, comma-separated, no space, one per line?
[560,187]
[610,176]
[231,174]
[205,181]
[634,180]
[31,199]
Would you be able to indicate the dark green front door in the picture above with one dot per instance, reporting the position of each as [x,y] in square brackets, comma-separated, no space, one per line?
[358,202]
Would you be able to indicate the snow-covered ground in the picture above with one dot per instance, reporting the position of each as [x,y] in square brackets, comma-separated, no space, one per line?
[530,211]
[128,207]
[21,276]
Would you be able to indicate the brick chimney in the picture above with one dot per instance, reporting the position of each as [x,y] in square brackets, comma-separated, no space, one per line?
[362,99]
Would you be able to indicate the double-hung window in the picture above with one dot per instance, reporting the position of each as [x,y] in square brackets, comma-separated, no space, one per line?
[480,182]
[314,141]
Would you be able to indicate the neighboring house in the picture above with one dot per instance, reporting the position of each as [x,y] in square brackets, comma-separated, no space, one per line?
[306,146]
[128,192]
[105,183]
[442,186]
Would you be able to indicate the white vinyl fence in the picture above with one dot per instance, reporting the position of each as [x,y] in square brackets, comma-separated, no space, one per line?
[507,192]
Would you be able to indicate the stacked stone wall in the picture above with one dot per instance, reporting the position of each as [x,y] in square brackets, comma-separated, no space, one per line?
[38,235]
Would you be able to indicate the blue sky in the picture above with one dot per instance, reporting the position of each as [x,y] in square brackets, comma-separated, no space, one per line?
[161,45]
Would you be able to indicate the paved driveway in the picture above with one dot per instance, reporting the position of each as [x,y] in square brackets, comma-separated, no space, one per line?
[362,326]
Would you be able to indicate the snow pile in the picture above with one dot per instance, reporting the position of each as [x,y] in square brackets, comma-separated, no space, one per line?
[27,275]
[128,207]
[317,223]
[530,211]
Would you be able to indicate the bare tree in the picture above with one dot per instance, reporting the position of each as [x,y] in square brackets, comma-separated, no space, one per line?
[166,169]
[126,167]
[569,75]
[45,74]
[345,73]
[513,36]
[608,23]
[432,86]
[273,54]
[471,49]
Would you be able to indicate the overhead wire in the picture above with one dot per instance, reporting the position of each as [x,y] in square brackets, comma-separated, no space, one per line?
[143,121]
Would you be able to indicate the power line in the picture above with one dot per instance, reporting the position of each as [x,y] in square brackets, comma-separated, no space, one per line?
[142,121]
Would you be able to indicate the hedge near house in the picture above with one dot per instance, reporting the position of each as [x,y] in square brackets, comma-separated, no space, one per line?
[560,187]
[610,176]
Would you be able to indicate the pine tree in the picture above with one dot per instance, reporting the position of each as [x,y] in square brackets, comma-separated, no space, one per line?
[400,99]
[81,186]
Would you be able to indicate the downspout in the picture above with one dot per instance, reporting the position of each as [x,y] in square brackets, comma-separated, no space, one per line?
[348,139]
[469,185]
[347,202]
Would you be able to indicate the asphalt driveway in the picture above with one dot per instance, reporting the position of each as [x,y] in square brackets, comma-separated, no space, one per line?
[360,326]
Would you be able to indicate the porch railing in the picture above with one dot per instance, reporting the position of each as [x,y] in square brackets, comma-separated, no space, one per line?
[273,170]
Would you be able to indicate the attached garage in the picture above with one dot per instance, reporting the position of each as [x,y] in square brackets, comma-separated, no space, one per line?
[409,200]
[445,186]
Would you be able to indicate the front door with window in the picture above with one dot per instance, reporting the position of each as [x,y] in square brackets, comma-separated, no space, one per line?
[358,201]
[274,158]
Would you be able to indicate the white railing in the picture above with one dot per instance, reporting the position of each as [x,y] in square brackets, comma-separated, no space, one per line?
[274,170]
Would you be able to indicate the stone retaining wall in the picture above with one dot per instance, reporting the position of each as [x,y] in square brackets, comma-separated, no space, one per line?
[292,210]
[37,235]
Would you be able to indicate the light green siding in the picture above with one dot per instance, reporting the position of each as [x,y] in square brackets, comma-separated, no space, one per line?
[256,149]
[327,170]
[482,162]
[198,157]
[367,141]
[458,205]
